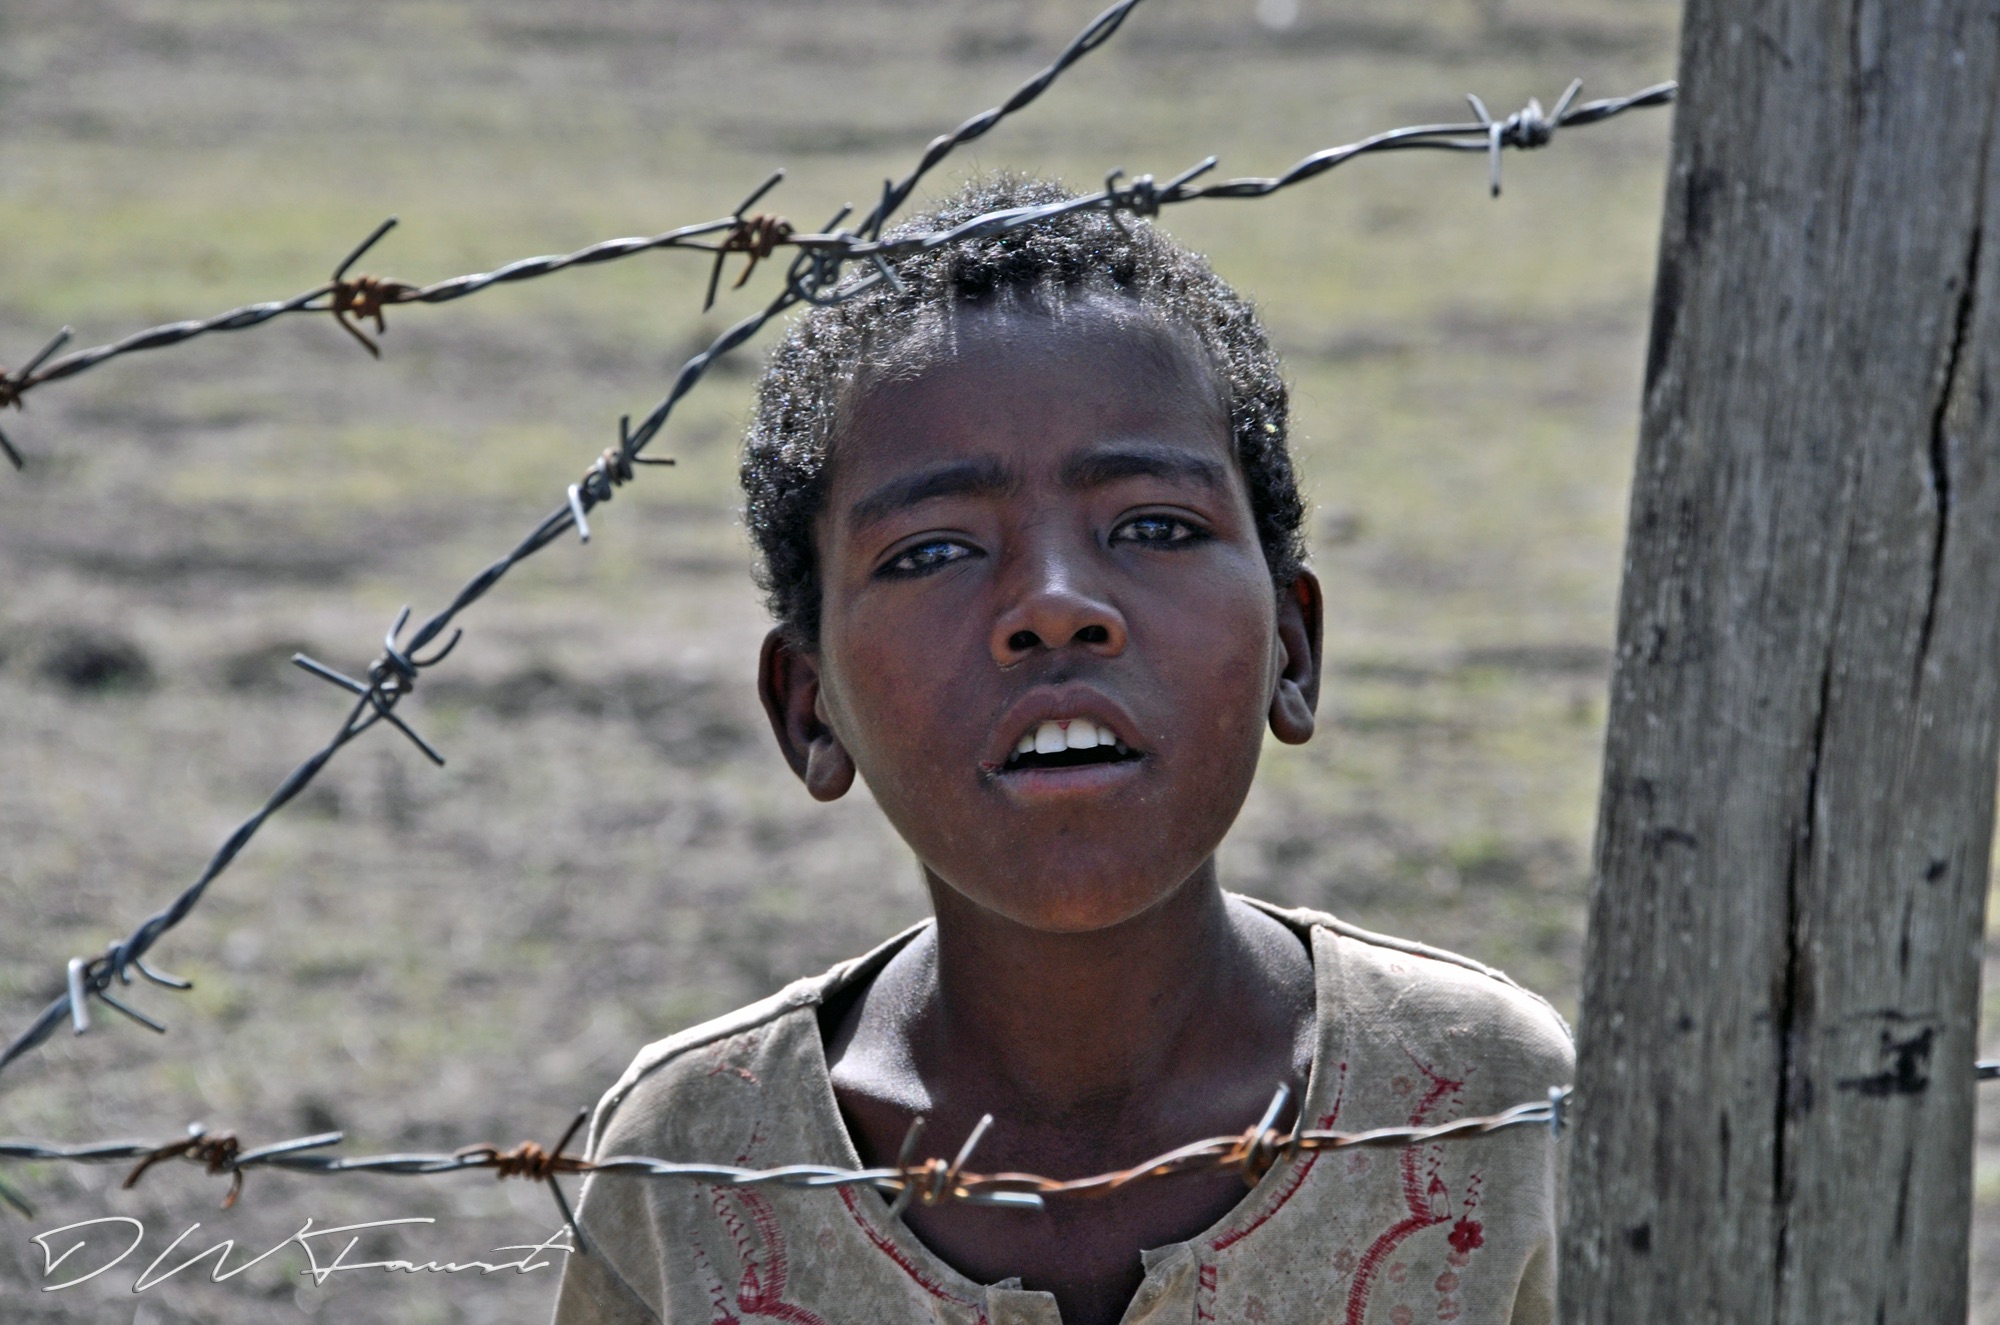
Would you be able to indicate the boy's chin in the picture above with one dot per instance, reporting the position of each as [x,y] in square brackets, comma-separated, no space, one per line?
[1061,905]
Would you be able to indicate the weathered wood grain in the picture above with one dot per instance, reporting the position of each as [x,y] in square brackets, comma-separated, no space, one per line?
[1780,998]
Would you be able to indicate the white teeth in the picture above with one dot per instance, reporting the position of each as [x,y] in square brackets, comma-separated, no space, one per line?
[1059,734]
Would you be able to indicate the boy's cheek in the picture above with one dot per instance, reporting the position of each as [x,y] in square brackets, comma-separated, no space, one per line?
[904,697]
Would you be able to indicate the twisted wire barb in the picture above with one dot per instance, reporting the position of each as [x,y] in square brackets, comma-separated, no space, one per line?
[814,275]
[935,1181]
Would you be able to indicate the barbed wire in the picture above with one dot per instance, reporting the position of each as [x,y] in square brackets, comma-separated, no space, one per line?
[757,236]
[934,1181]
[367,296]
[814,275]
[364,298]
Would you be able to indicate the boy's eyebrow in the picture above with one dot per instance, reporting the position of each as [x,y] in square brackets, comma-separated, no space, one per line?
[1141,460]
[960,478]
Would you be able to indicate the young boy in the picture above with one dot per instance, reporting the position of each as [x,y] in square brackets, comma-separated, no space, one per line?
[1031,534]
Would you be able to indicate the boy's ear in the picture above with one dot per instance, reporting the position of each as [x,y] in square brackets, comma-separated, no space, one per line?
[1297,692]
[788,683]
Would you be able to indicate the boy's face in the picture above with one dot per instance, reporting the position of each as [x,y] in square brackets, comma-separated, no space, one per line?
[1039,536]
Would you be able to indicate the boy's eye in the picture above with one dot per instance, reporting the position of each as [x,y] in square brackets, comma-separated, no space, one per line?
[1155,530]
[925,557]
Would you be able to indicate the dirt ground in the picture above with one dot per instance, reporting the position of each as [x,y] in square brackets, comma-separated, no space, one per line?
[427,958]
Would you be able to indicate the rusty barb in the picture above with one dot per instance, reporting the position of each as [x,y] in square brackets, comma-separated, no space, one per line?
[909,1181]
[816,274]
[363,298]
[756,236]
[221,1154]
[529,1160]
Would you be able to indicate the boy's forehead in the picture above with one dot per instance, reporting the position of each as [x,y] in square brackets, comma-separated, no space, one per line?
[1032,386]
[1024,330]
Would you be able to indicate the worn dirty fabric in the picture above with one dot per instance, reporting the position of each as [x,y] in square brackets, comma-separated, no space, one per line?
[1454,1231]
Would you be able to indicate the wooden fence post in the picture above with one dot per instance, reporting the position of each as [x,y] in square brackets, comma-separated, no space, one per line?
[1774,1103]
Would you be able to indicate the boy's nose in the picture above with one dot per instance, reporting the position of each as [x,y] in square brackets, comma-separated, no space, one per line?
[1052,611]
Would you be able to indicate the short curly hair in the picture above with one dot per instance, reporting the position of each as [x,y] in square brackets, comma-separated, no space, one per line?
[811,377]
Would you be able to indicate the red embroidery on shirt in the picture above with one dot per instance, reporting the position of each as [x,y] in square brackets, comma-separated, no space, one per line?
[762,1295]
[1429,1203]
[1204,1292]
[719,1057]
[1467,1235]
[1224,1241]
[725,1213]
[718,1296]
[904,1263]
[766,1266]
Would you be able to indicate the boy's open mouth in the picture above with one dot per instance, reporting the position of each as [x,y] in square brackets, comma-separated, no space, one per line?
[1067,743]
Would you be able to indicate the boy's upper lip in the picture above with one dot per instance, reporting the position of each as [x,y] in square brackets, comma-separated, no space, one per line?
[1053,703]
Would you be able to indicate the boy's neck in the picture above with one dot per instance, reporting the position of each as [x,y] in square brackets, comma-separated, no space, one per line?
[1089,1023]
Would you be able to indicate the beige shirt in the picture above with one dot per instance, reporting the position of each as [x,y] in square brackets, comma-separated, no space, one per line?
[1462,1230]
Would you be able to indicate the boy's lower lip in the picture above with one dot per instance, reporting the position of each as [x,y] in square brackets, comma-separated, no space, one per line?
[1081,779]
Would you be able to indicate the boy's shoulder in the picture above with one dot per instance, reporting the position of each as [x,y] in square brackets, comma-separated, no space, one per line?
[1414,972]
[702,1078]
[1399,1000]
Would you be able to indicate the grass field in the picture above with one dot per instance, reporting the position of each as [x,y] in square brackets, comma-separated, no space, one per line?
[429,958]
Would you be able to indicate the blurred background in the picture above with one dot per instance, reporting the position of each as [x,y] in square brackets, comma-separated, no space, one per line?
[427,958]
